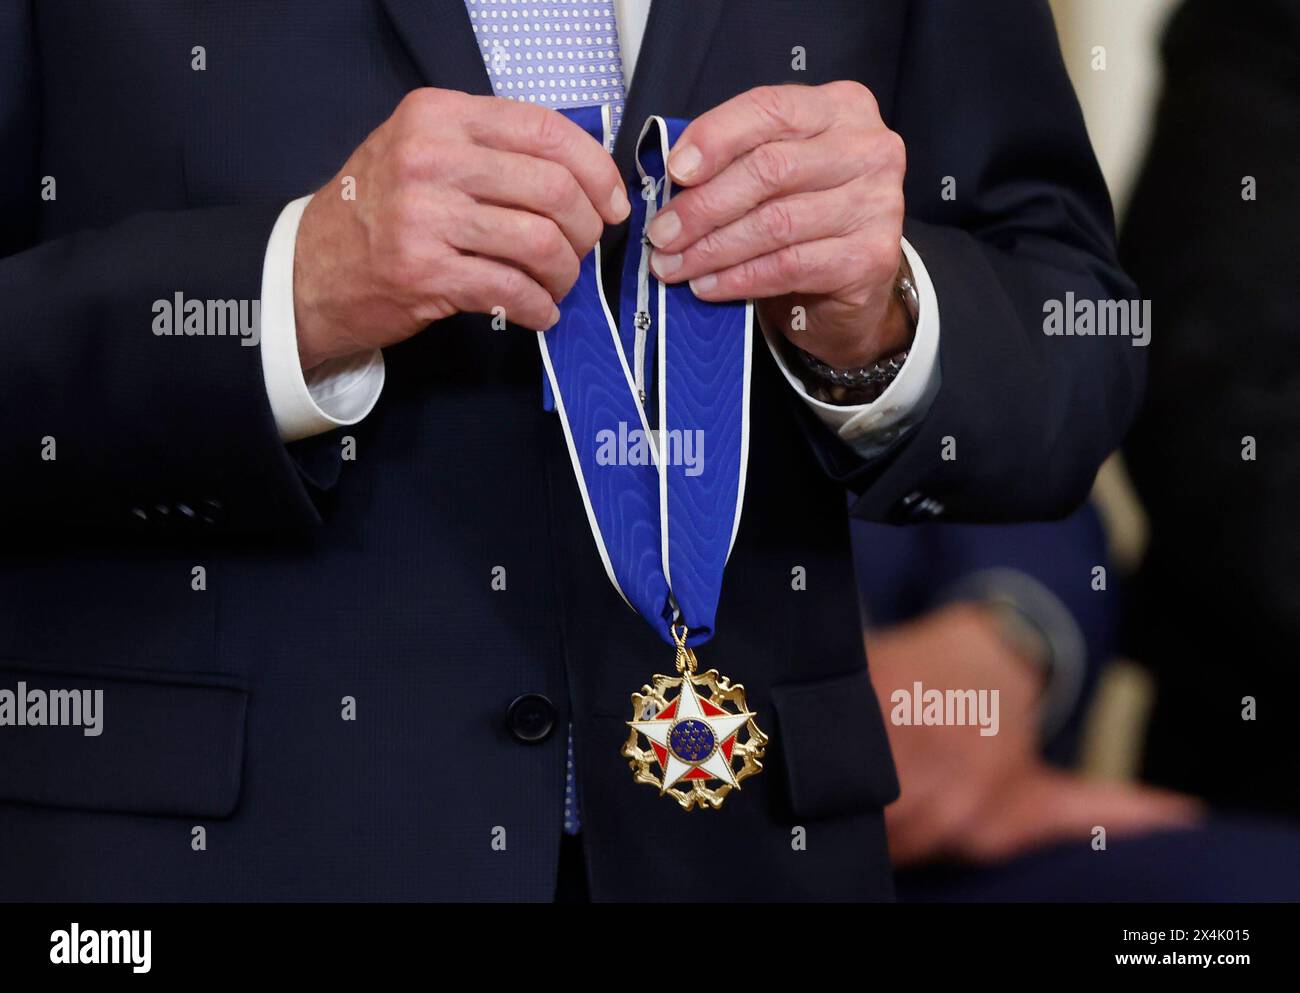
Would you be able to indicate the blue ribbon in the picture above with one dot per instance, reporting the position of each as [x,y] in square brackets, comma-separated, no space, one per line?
[664,529]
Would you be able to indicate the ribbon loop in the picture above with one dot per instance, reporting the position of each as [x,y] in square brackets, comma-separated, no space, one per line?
[655,409]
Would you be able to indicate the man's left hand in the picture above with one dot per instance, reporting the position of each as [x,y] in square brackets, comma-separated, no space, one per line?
[793,196]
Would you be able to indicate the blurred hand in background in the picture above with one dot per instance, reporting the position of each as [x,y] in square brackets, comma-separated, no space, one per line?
[975,798]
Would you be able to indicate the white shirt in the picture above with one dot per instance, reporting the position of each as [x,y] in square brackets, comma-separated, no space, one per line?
[343,391]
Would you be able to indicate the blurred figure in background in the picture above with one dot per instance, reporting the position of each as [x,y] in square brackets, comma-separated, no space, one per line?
[988,817]
[1210,239]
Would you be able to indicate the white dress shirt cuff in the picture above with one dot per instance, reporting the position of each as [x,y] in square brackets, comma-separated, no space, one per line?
[870,428]
[336,393]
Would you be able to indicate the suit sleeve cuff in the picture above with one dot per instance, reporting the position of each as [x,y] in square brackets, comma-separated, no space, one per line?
[871,428]
[336,393]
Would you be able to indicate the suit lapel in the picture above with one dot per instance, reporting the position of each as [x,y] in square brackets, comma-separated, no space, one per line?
[676,42]
[440,39]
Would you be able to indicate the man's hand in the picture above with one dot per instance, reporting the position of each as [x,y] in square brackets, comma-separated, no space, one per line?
[981,798]
[795,198]
[463,203]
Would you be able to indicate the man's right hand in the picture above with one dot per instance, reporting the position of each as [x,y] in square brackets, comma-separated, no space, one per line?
[462,203]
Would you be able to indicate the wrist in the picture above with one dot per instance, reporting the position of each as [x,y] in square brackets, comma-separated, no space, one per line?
[1043,631]
[1022,637]
[892,335]
[896,331]
[306,310]
[310,352]
[319,338]
[861,375]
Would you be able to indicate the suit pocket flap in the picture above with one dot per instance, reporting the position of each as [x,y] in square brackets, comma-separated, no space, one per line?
[837,757]
[172,748]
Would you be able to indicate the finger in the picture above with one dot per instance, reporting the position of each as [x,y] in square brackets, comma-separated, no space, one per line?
[533,243]
[1073,808]
[769,171]
[478,285]
[1050,807]
[765,229]
[548,134]
[809,267]
[509,179]
[768,113]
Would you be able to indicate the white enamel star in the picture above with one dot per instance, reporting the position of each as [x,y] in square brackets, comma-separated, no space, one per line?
[723,727]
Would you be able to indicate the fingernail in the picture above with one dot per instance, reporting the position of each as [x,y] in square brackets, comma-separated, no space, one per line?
[554,318]
[619,204]
[665,265]
[664,228]
[684,161]
[703,284]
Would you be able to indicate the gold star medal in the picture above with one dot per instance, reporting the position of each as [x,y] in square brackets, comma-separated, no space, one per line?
[695,739]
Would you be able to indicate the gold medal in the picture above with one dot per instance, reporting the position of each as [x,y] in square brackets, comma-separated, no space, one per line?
[694,737]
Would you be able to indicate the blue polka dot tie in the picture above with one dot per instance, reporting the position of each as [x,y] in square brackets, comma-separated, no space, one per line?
[554,53]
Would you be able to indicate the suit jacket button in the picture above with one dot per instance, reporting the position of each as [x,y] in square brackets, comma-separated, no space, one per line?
[904,511]
[531,718]
[211,511]
[916,507]
[931,507]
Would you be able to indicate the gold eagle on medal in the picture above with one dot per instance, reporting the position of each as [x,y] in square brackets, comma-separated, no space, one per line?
[693,725]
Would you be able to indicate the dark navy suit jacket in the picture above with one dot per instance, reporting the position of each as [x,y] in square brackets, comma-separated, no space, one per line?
[371,578]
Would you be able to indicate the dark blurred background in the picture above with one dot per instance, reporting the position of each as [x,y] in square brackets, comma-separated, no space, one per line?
[1145,650]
